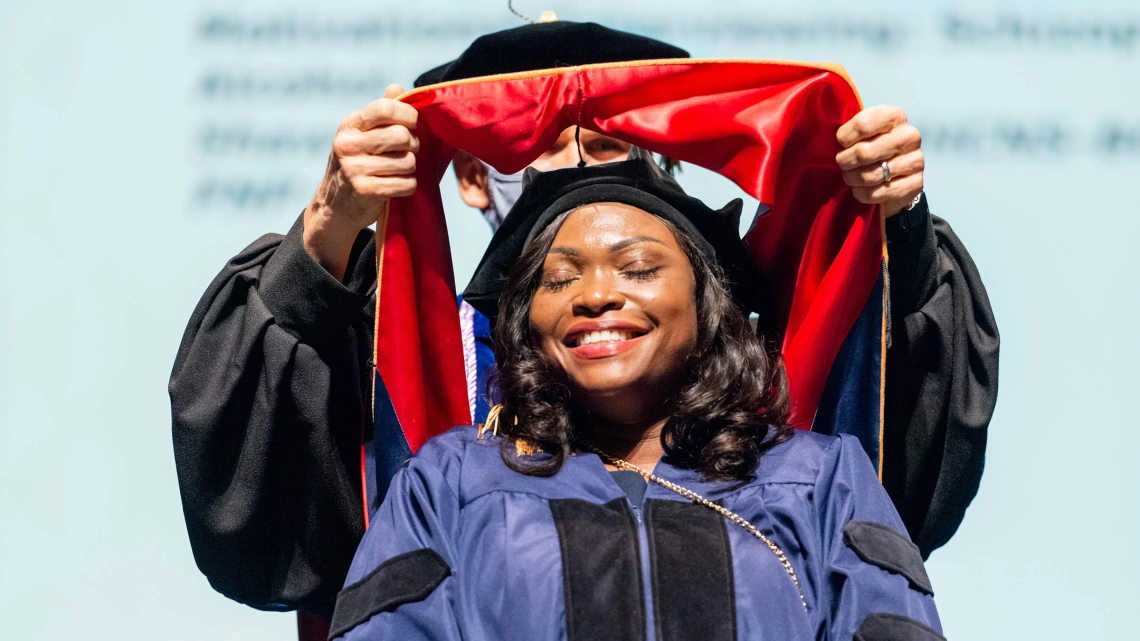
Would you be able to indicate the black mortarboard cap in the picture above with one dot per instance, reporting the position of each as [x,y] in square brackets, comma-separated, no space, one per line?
[638,182]
[545,46]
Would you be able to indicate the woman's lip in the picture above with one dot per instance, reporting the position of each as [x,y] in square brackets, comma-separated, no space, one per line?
[605,349]
[579,329]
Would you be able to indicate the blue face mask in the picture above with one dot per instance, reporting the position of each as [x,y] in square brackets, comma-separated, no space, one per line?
[504,190]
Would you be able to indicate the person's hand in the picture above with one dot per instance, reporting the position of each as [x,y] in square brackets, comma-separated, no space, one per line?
[874,136]
[372,160]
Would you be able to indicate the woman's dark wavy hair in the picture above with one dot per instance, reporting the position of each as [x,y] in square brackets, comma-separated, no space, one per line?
[732,407]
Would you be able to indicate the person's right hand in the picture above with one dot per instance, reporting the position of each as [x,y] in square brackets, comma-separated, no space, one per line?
[373,159]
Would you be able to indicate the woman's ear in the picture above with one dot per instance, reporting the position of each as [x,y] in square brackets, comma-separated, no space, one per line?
[472,176]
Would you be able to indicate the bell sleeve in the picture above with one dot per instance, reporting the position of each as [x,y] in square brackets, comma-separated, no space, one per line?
[875,587]
[941,378]
[401,584]
[268,402]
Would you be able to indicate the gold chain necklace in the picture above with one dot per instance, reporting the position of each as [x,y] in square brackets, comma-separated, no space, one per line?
[726,513]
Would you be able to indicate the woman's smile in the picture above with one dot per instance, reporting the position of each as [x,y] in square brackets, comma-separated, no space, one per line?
[605,348]
[603,338]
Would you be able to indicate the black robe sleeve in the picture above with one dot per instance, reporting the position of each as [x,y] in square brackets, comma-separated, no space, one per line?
[268,397]
[942,375]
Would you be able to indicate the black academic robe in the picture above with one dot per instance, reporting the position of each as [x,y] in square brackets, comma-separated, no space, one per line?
[271,386]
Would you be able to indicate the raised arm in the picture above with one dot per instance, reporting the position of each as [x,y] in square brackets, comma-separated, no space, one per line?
[271,387]
[942,377]
[268,401]
[942,364]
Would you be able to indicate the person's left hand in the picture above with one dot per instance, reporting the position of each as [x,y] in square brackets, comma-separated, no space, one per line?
[874,136]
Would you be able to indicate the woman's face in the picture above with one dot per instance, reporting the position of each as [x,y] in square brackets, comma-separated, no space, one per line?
[616,309]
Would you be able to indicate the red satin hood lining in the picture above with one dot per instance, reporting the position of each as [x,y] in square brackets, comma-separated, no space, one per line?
[768,126]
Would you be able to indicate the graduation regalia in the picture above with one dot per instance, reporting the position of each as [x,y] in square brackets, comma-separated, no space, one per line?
[465,547]
[276,485]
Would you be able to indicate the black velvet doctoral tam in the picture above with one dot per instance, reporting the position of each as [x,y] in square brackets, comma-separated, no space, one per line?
[546,46]
[638,182]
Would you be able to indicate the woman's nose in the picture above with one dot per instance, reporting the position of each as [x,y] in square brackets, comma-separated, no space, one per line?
[599,294]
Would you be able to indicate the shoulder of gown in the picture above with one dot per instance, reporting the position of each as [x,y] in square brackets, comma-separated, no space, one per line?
[798,459]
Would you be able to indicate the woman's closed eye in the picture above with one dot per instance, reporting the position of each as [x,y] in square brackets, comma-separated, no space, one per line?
[557,281]
[640,265]
[641,275]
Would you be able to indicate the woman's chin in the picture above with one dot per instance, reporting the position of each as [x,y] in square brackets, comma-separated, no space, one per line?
[604,392]
[603,380]
[619,399]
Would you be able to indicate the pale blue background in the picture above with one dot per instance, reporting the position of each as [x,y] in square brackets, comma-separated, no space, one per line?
[117,208]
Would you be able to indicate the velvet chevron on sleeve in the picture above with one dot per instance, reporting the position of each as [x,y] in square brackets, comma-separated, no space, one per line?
[942,374]
[870,564]
[268,398]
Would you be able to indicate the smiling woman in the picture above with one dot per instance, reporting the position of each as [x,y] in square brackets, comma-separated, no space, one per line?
[617,330]
[622,344]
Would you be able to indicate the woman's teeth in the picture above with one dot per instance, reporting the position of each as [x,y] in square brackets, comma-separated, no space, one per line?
[605,335]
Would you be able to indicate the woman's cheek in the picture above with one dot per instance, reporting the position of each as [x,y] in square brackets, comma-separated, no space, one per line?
[543,314]
[544,328]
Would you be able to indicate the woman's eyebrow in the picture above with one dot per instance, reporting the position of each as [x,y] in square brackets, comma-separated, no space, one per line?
[616,247]
[633,240]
